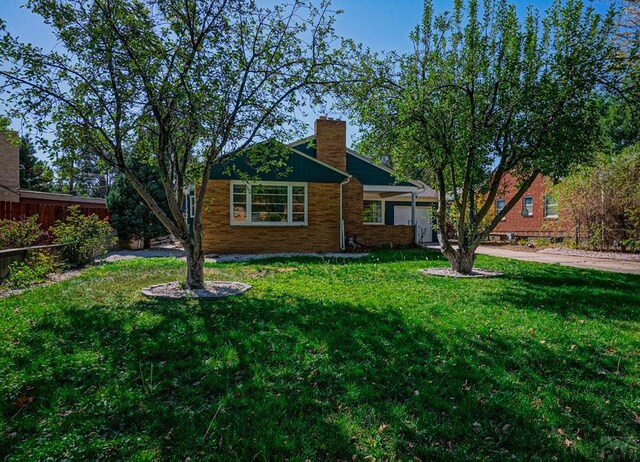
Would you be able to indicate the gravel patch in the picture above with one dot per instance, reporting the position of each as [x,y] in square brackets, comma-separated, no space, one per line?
[214,289]
[161,252]
[261,256]
[618,256]
[450,273]
[117,255]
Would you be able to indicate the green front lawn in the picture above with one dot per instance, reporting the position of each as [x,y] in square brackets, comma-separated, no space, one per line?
[323,360]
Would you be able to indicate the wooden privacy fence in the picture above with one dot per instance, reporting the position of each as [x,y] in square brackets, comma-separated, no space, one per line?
[47,213]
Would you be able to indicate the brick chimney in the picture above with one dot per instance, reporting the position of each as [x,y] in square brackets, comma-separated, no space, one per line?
[331,142]
[9,170]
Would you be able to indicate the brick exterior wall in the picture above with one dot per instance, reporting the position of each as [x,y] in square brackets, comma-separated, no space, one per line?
[386,235]
[331,142]
[9,170]
[529,226]
[352,210]
[322,233]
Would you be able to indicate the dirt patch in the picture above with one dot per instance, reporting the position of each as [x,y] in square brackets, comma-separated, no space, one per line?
[214,289]
[450,273]
[264,272]
[51,278]
[233,258]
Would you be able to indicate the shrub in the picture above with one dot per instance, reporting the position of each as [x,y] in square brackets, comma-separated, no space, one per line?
[21,233]
[33,270]
[84,237]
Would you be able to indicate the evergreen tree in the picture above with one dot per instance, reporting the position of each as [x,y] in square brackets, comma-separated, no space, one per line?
[35,174]
[129,214]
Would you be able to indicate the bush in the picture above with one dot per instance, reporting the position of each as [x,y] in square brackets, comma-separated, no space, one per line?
[31,271]
[22,233]
[84,237]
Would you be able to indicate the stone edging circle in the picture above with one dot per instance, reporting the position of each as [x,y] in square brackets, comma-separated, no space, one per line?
[450,273]
[214,289]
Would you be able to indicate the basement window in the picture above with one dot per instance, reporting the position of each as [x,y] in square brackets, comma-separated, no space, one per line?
[372,212]
[269,204]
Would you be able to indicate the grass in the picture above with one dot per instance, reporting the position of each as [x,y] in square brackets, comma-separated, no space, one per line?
[323,360]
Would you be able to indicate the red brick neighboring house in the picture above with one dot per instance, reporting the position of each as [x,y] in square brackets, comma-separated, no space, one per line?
[536,216]
[16,203]
[330,198]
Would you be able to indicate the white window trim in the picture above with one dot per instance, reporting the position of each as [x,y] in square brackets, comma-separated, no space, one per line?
[289,222]
[523,206]
[192,205]
[382,212]
[546,215]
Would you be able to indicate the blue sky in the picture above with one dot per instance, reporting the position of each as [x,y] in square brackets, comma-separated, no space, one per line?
[378,24]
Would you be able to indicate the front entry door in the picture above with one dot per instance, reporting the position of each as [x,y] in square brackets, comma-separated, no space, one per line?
[402,216]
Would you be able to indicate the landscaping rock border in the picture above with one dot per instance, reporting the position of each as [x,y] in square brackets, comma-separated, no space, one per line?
[450,273]
[214,289]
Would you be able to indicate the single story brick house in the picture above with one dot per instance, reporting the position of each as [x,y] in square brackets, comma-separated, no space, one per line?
[323,197]
[537,216]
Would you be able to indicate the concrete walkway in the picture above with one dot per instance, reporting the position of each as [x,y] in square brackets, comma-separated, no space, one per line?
[603,264]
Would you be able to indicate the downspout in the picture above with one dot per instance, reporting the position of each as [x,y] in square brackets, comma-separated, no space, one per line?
[342,245]
[414,200]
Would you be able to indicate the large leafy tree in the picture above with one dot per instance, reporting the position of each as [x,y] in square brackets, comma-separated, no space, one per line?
[483,93]
[192,80]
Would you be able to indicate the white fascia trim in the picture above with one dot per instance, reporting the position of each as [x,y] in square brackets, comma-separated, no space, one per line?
[300,153]
[384,188]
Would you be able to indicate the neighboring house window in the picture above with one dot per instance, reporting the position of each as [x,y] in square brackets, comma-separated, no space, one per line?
[269,204]
[372,212]
[192,205]
[527,206]
[550,206]
[500,203]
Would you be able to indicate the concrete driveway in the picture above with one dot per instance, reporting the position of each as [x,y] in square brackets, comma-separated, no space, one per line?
[603,264]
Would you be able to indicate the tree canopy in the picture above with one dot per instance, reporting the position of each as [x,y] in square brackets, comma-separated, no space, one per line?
[189,82]
[485,92]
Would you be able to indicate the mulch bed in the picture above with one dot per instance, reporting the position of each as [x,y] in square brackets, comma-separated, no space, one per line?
[214,289]
[450,273]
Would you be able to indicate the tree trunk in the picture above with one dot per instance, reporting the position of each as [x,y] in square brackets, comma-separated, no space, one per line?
[462,260]
[195,267]
[146,243]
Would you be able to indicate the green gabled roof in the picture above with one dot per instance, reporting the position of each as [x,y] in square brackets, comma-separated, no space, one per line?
[364,170]
[274,161]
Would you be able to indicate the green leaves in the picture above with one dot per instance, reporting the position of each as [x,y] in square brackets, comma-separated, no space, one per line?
[485,92]
[191,82]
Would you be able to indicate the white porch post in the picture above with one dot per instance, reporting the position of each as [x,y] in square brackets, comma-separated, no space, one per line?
[413,217]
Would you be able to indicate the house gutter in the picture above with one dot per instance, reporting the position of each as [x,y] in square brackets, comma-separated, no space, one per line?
[342,244]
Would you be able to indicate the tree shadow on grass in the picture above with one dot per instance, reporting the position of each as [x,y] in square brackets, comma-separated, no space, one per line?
[274,377]
[571,292]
